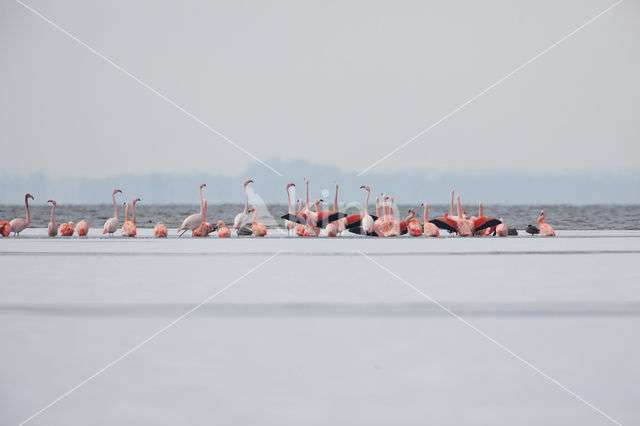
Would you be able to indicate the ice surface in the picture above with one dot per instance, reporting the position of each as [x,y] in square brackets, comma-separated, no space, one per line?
[320,334]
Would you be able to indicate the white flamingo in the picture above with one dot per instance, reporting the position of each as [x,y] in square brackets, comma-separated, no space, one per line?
[19,224]
[111,224]
[241,220]
[191,223]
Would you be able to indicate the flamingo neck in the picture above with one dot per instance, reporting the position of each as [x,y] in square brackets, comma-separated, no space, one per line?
[204,212]
[26,206]
[480,211]
[426,213]
[366,203]
[126,212]
[133,208]
[459,208]
[451,207]
[53,207]
[201,200]
[307,183]
[115,206]
[255,217]
[289,199]
[246,200]
[335,200]
[378,207]
[384,208]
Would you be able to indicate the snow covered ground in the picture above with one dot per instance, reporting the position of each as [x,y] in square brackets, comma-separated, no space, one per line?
[525,330]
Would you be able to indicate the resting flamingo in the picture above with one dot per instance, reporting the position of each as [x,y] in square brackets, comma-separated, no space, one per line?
[52,228]
[502,230]
[111,225]
[545,229]
[414,227]
[67,229]
[160,230]
[259,230]
[223,231]
[241,220]
[287,223]
[430,230]
[19,224]
[203,230]
[82,228]
[5,228]
[191,222]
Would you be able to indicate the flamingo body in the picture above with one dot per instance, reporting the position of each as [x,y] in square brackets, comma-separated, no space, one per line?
[160,230]
[82,228]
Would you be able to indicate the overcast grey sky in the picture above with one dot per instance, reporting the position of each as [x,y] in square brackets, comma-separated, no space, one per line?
[336,83]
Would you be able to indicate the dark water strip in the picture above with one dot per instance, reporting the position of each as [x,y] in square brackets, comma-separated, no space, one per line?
[318,254]
[573,309]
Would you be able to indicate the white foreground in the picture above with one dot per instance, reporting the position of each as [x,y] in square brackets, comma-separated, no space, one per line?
[321,334]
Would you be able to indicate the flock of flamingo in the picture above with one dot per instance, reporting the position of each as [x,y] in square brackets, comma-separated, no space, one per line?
[302,222]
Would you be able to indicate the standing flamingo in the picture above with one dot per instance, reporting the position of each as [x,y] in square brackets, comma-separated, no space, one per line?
[191,222]
[361,223]
[19,224]
[82,228]
[430,230]
[300,228]
[204,229]
[111,225]
[287,223]
[129,227]
[241,220]
[259,230]
[160,230]
[223,231]
[52,228]
[545,229]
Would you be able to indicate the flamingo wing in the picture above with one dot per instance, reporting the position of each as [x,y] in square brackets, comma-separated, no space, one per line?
[485,222]
[326,217]
[445,223]
[294,218]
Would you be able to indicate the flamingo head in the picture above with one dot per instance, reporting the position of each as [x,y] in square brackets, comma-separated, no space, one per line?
[252,208]
[52,202]
[306,180]
[247,182]
[289,185]
[202,185]
[28,196]
[115,191]
[136,200]
[221,224]
[365,187]
[542,214]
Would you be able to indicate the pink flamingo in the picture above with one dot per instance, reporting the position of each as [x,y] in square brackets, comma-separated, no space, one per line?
[129,227]
[287,223]
[414,227]
[430,230]
[545,229]
[462,225]
[300,229]
[390,228]
[111,225]
[241,220]
[66,229]
[82,228]
[192,222]
[5,228]
[19,224]
[502,230]
[377,224]
[204,229]
[223,231]
[52,228]
[160,230]
[259,230]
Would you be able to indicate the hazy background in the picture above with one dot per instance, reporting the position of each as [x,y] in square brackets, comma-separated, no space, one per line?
[320,89]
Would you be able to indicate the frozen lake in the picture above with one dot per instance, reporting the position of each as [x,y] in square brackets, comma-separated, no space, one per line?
[321,331]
